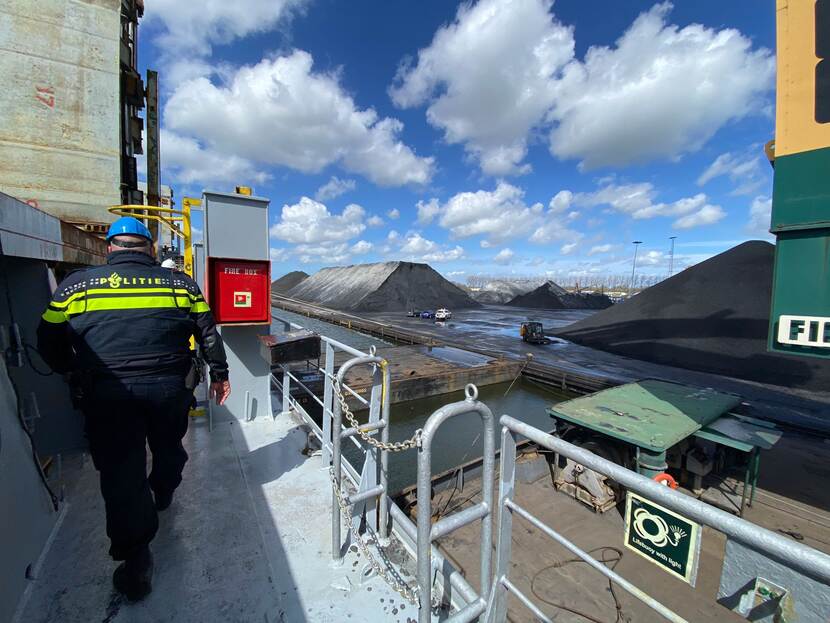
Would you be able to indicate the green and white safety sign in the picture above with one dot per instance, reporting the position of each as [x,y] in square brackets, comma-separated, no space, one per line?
[667,539]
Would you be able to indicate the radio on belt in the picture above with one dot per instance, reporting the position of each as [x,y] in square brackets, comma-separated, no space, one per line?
[239,291]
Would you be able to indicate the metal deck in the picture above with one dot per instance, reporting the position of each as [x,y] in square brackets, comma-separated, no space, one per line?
[247,539]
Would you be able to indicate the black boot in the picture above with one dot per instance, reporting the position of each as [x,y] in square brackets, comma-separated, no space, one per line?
[163,500]
[134,577]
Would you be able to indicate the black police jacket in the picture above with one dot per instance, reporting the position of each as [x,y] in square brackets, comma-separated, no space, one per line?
[129,318]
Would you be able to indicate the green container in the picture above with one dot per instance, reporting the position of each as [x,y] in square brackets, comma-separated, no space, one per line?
[801,281]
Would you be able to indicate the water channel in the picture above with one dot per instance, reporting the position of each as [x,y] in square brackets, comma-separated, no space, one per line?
[459,439]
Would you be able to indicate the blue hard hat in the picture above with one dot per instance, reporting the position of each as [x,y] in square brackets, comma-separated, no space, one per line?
[127,225]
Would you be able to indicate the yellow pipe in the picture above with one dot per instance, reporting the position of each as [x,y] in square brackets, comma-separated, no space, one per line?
[383,365]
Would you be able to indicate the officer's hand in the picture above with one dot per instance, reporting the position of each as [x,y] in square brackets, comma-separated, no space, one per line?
[220,390]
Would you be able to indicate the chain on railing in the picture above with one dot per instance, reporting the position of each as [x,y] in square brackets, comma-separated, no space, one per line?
[394,446]
[410,593]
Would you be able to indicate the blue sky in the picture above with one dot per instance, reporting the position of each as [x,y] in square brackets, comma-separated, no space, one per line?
[493,137]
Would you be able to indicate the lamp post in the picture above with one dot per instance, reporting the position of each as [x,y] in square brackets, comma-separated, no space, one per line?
[671,256]
[636,244]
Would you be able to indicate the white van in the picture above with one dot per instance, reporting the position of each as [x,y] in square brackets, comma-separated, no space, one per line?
[443,314]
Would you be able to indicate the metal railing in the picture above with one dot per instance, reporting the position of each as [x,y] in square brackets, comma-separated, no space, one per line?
[371,489]
[483,511]
[392,520]
[795,556]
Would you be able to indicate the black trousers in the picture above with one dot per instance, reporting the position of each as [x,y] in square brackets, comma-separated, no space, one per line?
[122,416]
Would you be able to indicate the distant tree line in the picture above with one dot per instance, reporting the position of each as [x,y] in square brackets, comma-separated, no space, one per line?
[600,282]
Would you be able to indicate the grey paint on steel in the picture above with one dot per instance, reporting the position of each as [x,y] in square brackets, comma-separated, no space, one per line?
[236,226]
[448,524]
[742,564]
[27,519]
[337,459]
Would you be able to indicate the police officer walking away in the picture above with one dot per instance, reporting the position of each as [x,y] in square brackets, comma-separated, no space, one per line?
[123,331]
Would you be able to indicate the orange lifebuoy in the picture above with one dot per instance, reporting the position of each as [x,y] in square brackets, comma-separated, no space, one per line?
[666,479]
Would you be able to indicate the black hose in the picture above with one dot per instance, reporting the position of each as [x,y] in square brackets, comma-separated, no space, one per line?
[621,618]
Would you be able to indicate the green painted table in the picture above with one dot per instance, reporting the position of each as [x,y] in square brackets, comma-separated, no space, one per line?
[651,415]
[748,435]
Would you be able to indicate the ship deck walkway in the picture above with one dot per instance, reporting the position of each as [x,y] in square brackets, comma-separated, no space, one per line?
[247,539]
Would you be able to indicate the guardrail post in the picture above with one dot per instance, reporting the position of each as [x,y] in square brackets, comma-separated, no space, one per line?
[504,541]
[383,502]
[336,464]
[369,472]
[328,366]
[336,439]
[286,391]
[426,531]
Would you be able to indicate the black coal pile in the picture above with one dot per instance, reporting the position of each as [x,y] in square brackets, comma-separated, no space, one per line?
[500,291]
[288,281]
[385,286]
[550,295]
[712,317]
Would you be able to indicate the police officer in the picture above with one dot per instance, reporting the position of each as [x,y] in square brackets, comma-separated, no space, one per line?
[123,331]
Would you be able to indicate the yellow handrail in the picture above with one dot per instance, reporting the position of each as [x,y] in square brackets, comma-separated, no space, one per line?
[145,212]
[168,217]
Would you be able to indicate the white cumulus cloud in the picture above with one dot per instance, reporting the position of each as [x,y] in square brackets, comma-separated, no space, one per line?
[505,256]
[281,112]
[661,91]
[361,247]
[500,214]
[374,221]
[600,248]
[310,222]
[745,171]
[760,217]
[488,78]
[394,214]
[416,248]
[651,258]
[428,210]
[639,202]
[334,188]
[193,27]
[707,215]
[328,253]
[504,69]
[561,202]
[190,162]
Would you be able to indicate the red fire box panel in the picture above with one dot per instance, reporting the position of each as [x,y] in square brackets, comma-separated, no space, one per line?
[239,291]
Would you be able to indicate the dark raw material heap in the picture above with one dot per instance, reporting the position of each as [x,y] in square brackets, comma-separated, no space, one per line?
[549,295]
[385,286]
[711,317]
[288,281]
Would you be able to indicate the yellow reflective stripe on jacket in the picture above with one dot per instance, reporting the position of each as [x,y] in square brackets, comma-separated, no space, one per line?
[128,302]
[126,291]
[200,307]
[54,317]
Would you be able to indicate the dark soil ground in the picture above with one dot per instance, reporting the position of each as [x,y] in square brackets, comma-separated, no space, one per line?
[712,317]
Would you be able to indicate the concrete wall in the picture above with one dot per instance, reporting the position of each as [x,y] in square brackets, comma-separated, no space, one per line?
[59,131]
